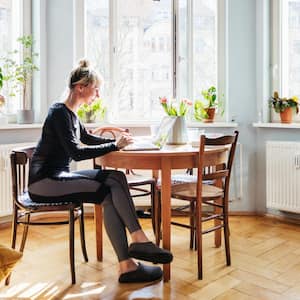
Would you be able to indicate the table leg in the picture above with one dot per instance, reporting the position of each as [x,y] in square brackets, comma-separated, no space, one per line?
[166,210]
[98,230]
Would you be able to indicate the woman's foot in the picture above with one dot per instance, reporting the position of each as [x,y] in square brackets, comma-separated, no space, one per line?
[143,273]
[150,252]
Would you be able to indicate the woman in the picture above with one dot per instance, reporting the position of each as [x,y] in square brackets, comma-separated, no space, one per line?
[50,177]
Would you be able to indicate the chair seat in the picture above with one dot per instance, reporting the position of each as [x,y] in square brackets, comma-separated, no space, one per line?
[188,191]
[26,202]
[179,179]
[139,179]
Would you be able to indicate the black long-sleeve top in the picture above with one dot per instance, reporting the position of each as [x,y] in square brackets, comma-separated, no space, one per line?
[60,143]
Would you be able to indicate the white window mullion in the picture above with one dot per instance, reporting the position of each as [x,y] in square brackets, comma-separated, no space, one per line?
[190,52]
[113,57]
[174,46]
[284,42]
[79,32]
[222,53]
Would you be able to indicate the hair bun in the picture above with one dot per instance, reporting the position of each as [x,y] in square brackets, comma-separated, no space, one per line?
[84,63]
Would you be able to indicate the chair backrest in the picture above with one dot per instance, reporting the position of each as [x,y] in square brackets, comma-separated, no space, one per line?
[113,131]
[222,171]
[20,158]
[110,132]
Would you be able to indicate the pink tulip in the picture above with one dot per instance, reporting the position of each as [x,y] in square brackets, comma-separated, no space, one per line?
[163,100]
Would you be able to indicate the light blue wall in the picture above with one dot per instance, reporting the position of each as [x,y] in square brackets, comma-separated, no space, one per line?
[248,84]
[60,52]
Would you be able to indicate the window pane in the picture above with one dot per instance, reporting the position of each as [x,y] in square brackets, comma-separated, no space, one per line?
[182,39]
[5,25]
[142,58]
[10,31]
[293,59]
[205,45]
[97,40]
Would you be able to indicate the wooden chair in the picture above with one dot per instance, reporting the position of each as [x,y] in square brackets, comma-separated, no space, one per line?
[211,189]
[136,182]
[24,208]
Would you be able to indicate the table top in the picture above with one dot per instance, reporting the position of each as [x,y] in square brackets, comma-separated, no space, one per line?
[181,156]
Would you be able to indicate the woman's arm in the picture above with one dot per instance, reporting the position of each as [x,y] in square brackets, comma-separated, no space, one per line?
[65,130]
[92,138]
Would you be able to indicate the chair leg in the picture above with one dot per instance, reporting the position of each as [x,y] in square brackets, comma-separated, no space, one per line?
[13,237]
[157,218]
[25,232]
[199,239]
[82,234]
[226,235]
[192,224]
[152,187]
[71,244]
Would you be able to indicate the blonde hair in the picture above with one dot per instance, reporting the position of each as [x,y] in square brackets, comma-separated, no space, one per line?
[83,74]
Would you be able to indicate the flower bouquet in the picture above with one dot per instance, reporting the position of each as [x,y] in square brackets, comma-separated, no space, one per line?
[174,108]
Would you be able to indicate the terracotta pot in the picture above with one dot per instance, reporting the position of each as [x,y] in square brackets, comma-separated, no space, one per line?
[211,115]
[286,116]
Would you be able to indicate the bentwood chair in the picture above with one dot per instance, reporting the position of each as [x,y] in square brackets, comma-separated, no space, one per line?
[211,189]
[139,185]
[25,210]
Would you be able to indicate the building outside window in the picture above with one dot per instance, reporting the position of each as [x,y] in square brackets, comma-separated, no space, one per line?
[132,43]
[11,29]
[286,47]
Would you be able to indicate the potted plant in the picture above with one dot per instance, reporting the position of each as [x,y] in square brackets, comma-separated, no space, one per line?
[93,112]
[204,110]
[18,76]
[284,106]
[2,99]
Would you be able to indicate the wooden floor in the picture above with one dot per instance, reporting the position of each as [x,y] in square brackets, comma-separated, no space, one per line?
[265,265]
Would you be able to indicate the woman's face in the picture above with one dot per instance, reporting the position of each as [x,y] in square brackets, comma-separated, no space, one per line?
[90,93]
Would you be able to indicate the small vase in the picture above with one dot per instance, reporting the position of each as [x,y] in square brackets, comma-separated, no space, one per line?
[178,134]
[210,115]
[286,116]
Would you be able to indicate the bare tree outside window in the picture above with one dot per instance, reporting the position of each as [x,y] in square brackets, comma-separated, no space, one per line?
[293,52]
[205,45]
[140,43]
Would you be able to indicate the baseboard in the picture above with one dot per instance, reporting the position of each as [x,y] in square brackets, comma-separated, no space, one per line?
[89,212]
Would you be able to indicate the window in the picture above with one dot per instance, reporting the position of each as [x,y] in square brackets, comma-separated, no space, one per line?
[143,55]
[11,28]
[286,47]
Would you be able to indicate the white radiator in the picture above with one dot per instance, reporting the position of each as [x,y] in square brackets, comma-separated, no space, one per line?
[283,175]
[5,178]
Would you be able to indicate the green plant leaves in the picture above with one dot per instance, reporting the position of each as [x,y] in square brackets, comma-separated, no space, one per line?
[95,110]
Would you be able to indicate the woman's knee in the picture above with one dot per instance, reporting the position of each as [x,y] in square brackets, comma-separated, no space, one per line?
[118,176]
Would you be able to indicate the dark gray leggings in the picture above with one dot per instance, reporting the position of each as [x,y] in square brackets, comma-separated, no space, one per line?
[108,187]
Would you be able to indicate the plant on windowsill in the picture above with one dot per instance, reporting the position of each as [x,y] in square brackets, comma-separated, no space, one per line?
[205,109]
[18,76]
[284,106]
[95,112]
[2,99]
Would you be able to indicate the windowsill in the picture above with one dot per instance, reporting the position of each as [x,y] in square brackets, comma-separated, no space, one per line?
[277,125]
[129,124]
[21,126]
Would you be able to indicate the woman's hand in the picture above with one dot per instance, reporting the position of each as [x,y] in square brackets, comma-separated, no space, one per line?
[124,140]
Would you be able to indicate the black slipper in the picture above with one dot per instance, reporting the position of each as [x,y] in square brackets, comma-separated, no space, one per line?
[141,274]
[150,252]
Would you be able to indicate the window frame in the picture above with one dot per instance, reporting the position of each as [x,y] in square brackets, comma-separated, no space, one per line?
[20,26]
[222,53]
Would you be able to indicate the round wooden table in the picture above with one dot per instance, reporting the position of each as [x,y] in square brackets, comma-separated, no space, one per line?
[169,158]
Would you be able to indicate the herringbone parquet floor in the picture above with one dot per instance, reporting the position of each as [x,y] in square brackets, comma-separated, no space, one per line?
[265,265]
